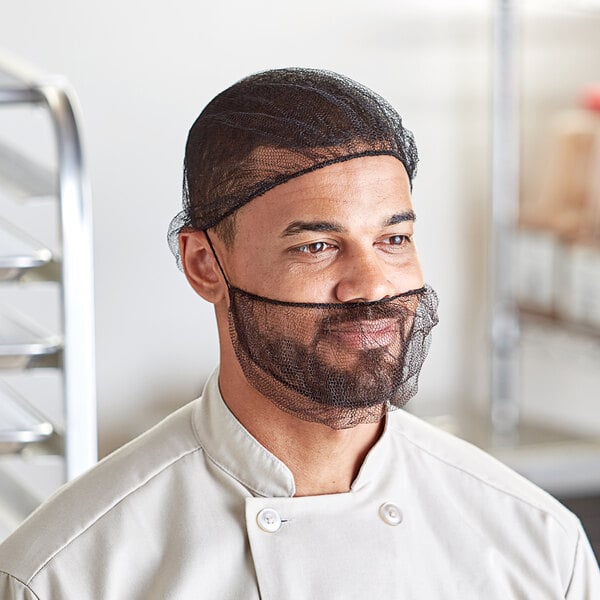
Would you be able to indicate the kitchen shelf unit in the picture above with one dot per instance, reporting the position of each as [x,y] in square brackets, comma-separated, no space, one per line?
[559,458]
[25,346]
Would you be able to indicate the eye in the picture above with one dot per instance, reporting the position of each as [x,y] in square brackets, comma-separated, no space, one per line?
[398,240]
[314,248]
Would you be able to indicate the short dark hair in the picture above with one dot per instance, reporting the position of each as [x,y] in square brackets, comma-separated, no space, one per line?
[226,229]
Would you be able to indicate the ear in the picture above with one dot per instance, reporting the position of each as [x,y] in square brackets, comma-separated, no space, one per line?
[200,266]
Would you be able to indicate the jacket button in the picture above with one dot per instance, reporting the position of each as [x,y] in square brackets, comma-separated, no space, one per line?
[390,514]
[268,520]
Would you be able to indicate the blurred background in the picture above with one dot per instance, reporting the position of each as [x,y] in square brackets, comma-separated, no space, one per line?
[144,70]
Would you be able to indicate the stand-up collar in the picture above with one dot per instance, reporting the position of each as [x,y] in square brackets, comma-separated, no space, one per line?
[233,449]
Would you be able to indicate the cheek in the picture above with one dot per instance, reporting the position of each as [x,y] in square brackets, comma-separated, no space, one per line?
[407,276]
[283,324]
[286,284]
[298,328]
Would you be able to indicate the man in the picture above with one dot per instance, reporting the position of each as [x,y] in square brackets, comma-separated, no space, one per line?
[293,476]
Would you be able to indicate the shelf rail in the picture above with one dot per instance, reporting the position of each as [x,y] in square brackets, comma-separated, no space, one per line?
[505,205]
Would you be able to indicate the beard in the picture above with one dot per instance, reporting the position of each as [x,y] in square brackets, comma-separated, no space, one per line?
[370,379]
[338,364]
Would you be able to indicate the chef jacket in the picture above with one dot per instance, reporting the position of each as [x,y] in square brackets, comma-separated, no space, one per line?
[197,508]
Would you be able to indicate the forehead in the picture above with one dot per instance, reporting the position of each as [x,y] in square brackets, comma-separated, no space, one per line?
[358,192]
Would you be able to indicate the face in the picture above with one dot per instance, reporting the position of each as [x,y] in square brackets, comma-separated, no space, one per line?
[321,313]
[340,236]
[343,233]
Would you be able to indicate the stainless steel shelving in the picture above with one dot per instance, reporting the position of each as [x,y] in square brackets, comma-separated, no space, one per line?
[558,459]
[22,423]
[25,346]
[20,254]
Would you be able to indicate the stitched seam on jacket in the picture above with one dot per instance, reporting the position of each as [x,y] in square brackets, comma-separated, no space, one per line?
[574,563]
[21,582]
[480,479]
[109,509]
[246,484]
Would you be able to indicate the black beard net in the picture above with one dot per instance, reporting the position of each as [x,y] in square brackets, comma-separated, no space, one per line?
[339,364]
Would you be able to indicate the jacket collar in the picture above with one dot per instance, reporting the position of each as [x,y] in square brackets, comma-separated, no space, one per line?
[228,444]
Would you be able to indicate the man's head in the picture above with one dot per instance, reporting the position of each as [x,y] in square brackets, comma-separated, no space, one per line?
[298,226]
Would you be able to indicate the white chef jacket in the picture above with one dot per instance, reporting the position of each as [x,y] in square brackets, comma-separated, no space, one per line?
[197,508]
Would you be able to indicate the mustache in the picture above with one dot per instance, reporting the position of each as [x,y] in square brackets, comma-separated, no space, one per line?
[355,315]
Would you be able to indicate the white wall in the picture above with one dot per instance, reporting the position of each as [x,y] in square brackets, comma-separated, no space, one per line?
[144,70]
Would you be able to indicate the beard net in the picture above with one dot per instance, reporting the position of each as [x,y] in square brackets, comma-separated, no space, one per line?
[273,126]
[337,364]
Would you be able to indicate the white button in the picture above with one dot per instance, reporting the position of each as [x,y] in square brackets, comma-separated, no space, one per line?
[390,513]
[268,520]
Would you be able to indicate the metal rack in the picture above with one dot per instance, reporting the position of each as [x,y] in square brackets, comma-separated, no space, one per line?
[25,346]
[558,460]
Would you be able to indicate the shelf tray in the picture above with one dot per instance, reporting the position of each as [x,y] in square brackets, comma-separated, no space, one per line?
[19,253]
[23,179]
[13,91]
[25,345]
[20,422]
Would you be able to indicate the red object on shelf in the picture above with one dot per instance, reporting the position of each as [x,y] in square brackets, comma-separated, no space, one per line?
[590,98]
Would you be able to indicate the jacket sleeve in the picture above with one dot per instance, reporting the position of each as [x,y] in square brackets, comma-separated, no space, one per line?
[585,579]
[13,589]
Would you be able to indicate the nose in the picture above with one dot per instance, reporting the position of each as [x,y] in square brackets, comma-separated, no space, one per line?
[364,278]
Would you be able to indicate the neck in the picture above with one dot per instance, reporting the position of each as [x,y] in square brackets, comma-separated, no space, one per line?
[322,460]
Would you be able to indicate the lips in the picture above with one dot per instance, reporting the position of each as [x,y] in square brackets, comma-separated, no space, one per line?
[365,334]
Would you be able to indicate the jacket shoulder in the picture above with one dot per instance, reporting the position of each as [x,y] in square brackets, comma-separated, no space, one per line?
[469,465]
[80,505]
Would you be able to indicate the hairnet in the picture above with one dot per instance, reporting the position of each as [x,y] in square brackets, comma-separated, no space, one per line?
[273,126]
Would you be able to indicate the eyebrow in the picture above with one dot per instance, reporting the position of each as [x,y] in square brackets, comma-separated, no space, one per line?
[407,215]
[296,227]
